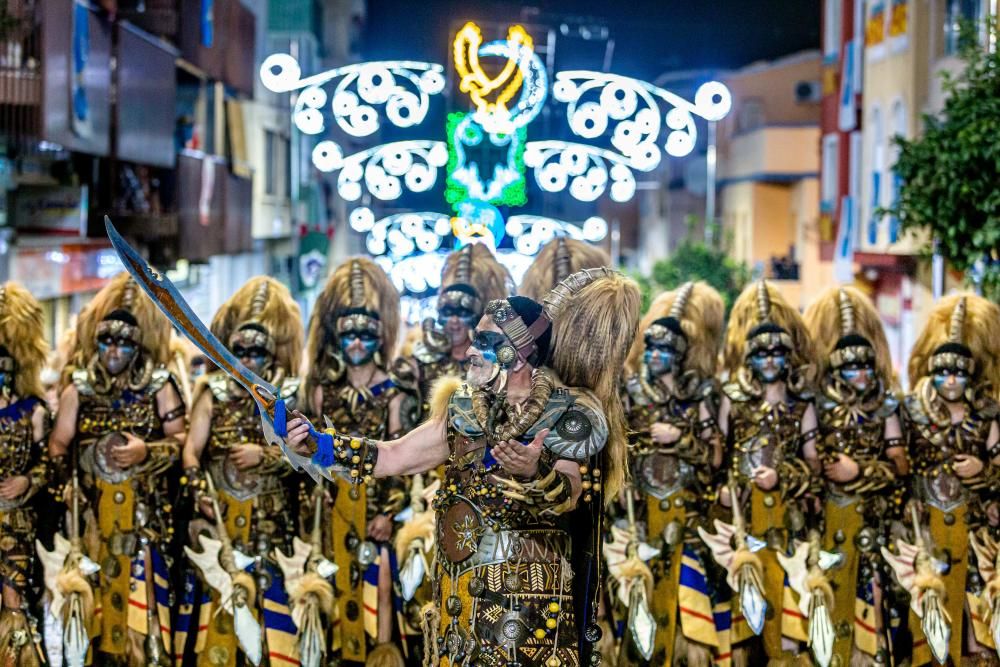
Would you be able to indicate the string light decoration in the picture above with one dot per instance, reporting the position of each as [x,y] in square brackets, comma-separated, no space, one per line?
[386,169]
[631,108]
[505,184]
[485,153]
[583,168]
[522,72]
[402,87]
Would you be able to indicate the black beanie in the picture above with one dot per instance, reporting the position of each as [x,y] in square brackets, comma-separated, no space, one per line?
[529,311]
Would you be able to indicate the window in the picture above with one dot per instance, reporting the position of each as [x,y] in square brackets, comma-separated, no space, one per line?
[894,181]
[277,172]
[875,175]
[832,32]
[830,173]
[958,12]
[751,115]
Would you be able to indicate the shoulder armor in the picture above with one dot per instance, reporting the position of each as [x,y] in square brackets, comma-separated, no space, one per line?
[735,392]
[890,404]
[81,380]
[825,403]
[578,428]
[404,373]
[989,408]
[460,414]
[289,387]
[218,384]
[158,379]
[915,410]
[424,355]
[633,387]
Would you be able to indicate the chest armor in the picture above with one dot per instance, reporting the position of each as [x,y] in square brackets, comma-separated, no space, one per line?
[119,411]
[360,413]
[764,434]
[658,472]
[856,432]
[235,421]
[476,524]
[17,437]
[932,448]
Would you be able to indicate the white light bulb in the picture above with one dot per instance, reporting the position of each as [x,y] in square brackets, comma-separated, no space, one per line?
[280,73]
[327,156]
[362,219]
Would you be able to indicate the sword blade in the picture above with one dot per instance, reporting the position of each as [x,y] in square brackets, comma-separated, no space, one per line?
[170,302]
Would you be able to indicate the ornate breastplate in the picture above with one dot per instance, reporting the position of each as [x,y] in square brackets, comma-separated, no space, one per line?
[658,470]
[476,524]
[362,413]
[103,418]
[932,448]
[235,421]
[763,434]
[17,437]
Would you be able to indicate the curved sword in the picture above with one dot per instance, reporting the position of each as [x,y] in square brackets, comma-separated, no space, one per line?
[273,414]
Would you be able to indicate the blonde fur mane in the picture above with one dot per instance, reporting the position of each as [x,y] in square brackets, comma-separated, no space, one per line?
[702,323]
[823,320]
[541,275]
[980,335]
[380,296]
[22,332]
[490,278]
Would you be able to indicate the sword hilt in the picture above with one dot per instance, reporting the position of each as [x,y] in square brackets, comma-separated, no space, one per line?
[324,456]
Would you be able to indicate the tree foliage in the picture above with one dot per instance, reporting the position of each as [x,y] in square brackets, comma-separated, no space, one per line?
[950,174]
[696,260]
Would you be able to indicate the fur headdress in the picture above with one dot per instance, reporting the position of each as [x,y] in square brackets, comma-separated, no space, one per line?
[472,277]
[960,321]
[121,294]
[267,303]
[22,332]
[836,321]
[359,286]
[759,313]
[560,258]
[701,313]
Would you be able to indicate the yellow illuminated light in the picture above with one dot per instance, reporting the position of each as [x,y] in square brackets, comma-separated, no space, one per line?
[476,82]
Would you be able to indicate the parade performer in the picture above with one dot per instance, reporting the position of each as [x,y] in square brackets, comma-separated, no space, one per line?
[672,399]
[471,278]
[352,333]
[768,418]
[536,430]
[227,451]
[121,423]
[863,456]
[556,261]
[953,440]
[24,425]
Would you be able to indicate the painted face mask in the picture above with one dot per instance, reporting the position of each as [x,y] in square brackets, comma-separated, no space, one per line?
[950,383]
[769,365]
[359,347]
[456,322]
[484,366]
[661,359]
[860,376]
[254,357]
[116,354]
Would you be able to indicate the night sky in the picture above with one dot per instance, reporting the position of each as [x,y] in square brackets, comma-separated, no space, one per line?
[651,36]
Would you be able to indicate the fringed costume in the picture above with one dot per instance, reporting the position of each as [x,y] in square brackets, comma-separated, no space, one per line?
[24,426]
[352,334]
[672,402]
[229,464]
[859,422]
[122,399]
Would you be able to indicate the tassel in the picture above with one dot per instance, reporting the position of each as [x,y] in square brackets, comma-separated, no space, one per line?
[430,621]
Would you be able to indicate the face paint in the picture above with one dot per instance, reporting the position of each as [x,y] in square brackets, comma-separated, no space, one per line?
[116,354]
[769,365]
[859,376]
[950,383]
[483,366]
[661,359]
[358,347]
[457,322]
[256,358]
